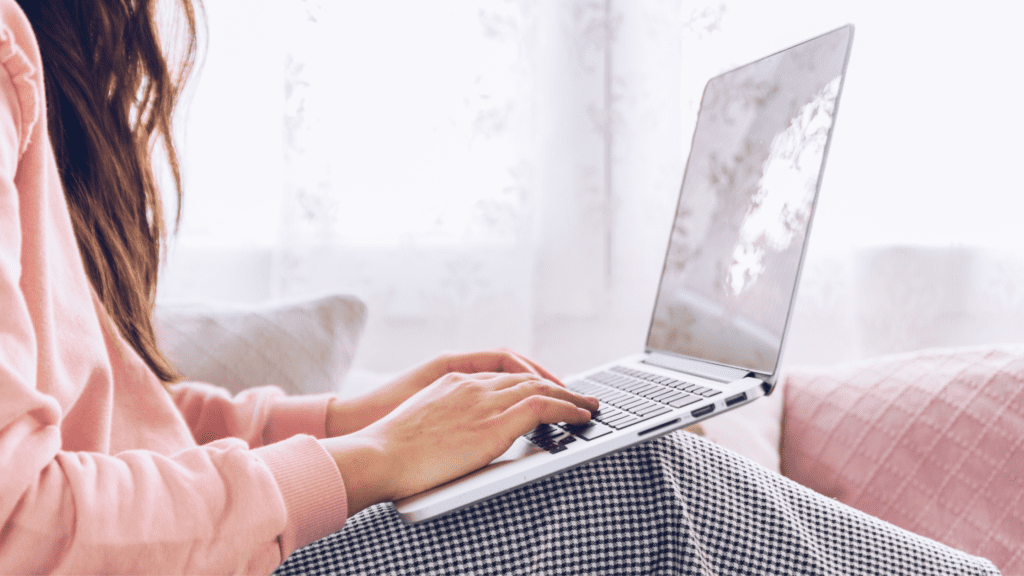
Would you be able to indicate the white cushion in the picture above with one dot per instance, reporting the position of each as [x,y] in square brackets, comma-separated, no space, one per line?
[303,347]
[753,430]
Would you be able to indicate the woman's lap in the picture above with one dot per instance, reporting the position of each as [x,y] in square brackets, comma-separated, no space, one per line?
[676,505]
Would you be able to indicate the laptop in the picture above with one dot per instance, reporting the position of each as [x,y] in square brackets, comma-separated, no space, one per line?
[729,278]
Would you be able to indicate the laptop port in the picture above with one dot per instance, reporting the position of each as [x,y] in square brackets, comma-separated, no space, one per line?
[735,399]
[703,411]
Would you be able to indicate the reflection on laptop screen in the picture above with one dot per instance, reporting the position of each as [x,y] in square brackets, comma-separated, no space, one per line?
[745,206]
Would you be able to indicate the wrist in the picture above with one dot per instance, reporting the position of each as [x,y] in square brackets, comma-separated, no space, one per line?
[337,416]
[365,468]
[351,415]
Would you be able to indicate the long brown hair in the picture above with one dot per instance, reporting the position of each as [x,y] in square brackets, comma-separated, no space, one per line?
[110,97]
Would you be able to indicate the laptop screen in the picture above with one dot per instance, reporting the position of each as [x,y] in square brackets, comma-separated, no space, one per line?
[745,206]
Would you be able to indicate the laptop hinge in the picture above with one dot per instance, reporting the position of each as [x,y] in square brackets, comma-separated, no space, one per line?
[724,374]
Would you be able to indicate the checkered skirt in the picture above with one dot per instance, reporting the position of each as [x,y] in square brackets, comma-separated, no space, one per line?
[675,505]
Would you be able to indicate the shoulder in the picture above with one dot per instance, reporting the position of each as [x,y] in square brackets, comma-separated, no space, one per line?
[21,76]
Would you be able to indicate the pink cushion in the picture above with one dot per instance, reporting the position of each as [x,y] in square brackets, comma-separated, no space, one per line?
[930,441]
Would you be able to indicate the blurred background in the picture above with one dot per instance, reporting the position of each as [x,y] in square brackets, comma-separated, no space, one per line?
[504,172]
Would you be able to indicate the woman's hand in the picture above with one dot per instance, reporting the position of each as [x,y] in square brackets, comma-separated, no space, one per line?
[347,416]
[455,425]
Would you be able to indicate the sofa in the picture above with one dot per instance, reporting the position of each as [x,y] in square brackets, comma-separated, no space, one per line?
[930,440]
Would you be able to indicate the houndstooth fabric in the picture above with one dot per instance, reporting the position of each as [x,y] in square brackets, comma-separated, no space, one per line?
[676,505]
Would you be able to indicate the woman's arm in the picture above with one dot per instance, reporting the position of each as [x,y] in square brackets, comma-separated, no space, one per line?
[347,416]
[437,421]
[217,508]
[261,415]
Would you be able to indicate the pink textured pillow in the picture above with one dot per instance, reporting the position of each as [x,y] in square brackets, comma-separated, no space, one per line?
[930,441]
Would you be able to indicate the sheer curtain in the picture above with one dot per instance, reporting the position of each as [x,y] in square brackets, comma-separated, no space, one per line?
[501,172]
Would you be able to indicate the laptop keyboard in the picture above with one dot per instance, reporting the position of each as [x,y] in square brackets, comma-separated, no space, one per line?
[628,396]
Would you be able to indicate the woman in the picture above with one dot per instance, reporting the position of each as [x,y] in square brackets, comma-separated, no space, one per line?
[112,466]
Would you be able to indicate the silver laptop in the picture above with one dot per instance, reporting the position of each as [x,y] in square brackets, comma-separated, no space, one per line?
[728,282]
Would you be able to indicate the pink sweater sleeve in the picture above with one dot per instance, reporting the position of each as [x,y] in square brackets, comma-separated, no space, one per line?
[218,508]
[260,416]
[100,473]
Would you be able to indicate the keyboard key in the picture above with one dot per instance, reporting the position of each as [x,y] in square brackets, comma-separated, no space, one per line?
[617,415]
[667,396]
[661,410]
[609,413]
[613,421]
[662,392]
[684,401]
[632,387]
[653,409]
[648,416]
[556,437]
[616,397]
[670,396]
[648,390]
[541,431]
[546,442]
[645,409]
[631,403]
[588,431]
[628,420]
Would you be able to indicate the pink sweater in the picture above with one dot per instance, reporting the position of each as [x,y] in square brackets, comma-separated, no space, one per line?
[102,471]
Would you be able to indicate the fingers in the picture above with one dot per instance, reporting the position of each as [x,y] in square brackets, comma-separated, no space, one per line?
[516,388]
[495,361]
[524,364]
[513,388]
[501,360]
[529,412]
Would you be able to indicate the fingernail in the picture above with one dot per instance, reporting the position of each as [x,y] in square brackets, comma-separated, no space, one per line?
[585,413]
